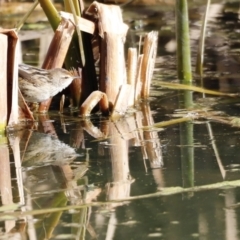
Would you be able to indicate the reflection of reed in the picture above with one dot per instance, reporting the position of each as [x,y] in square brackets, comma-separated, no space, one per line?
[152,145]
[121,180]
[45,149]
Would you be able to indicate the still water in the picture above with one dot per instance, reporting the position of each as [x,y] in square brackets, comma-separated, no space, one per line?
[98,179]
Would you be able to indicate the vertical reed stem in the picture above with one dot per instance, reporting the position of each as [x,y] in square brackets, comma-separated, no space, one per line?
[183,43]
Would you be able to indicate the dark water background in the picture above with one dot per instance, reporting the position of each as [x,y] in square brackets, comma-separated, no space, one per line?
[66,161]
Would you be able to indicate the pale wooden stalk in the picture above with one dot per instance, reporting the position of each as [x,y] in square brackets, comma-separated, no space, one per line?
[11,87]
[12,73]
[138,85]
[149,57]
[93,99]
[132,72]
[76,87]
[121,103]
[62,101]
[59,45]
[112,31]
[57,52]
[83,24]
[3,82]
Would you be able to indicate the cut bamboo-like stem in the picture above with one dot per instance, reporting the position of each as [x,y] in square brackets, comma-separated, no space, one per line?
[57,52]
[122,103]
[149,56]
[3,82]
[112,31]
[83,24]
[132,72]
[95,98]
[59,45]
[138,85]
[62,101]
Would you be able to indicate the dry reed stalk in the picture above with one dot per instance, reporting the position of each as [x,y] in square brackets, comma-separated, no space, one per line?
[149,57]
[3,82]
[138,86]
[57,52]
[112,32]
[122,103]
[24,111]
[132,72]
[62,101]
[11,77]
[95,98]
[76,87]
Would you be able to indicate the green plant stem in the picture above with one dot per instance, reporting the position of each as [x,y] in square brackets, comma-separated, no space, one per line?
[80,42]
[183,43]
[20,24]
[51,13]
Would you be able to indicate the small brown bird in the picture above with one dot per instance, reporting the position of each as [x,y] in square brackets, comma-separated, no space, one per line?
[37,85]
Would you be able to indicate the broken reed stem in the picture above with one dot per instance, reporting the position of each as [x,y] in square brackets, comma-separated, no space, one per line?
[112,31]
[132,72]
[95,98]
[62,101]
[122,101]
[57,52]
[59,45]
[3,82]
[149,57]
[138,85]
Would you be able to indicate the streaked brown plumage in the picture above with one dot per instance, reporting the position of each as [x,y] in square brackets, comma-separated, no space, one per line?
[37,85]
